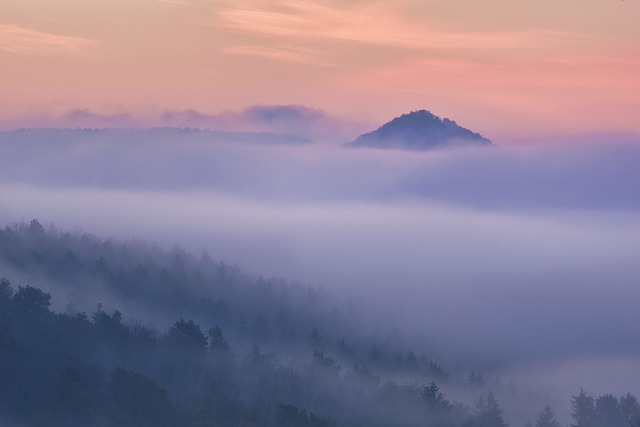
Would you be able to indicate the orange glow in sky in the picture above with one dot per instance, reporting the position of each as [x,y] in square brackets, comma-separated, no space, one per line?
[501,68]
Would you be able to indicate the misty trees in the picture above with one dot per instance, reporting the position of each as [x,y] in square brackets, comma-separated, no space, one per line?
[312,366]
[36,230]
[547,417]
[437,406]
[292,416]
[605,411]
[476,379]
[51,373]
[187,335]
[582,410]
[487,412]
[326,364]
[153,379]
[31,301]
[110,328]
[77,356]
[138,401]
[628,406]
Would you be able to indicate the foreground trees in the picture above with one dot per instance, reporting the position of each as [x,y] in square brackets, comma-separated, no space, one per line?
[242,353]
[605,411]
[77,370]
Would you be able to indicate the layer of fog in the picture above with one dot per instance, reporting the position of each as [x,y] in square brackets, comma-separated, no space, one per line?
[520,262]
[297,120]
[599,176]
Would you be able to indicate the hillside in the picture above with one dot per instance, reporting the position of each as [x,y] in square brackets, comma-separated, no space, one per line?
[198,343]
[419,130]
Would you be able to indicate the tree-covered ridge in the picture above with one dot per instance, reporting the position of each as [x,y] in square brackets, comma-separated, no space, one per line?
[164,285]
[21,138]
[224,349]
[71,369]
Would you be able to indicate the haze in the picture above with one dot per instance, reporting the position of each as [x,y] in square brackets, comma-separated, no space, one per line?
[220,125]
[470,248]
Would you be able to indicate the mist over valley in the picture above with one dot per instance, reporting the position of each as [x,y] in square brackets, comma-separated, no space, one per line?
[519,265]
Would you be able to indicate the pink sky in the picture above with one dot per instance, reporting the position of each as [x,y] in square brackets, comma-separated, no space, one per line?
[502,68]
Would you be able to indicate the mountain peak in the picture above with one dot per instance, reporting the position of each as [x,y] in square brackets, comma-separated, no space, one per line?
[419,130]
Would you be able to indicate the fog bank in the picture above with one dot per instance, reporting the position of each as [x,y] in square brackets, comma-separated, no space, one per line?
[500,258]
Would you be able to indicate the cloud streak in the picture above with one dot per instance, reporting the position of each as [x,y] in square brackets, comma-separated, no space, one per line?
[21,40]
[372,24]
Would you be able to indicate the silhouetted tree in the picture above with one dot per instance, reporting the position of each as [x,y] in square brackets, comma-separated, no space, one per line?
[187,335]
[438,407]
[607,412]
[487,412]
[36,229]
[582,410]
[31,301]
[629,406]
[110,328]
[547,417]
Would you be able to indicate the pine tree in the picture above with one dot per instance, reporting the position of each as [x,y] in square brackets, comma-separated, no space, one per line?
[488,412]
[438,407]
[629,406]
[547,418]
[582,410]
[607,411]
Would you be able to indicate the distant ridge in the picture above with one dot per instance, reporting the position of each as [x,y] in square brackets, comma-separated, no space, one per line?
[69,135]
[419,130]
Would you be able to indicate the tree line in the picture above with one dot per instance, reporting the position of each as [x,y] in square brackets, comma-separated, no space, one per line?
[214,348]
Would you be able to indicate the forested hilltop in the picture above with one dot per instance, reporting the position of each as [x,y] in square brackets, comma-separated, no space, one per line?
[172,339]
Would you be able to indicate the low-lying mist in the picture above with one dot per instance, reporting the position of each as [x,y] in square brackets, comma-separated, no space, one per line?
[518,262]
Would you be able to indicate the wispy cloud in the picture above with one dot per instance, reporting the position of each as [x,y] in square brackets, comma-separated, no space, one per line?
[18,39]
[175,2]
[373,24]
[275,52]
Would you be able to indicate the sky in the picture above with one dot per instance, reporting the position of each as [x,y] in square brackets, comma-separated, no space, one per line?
[509,70]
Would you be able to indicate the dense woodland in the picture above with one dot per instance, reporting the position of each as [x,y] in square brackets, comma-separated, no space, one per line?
[172,339]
